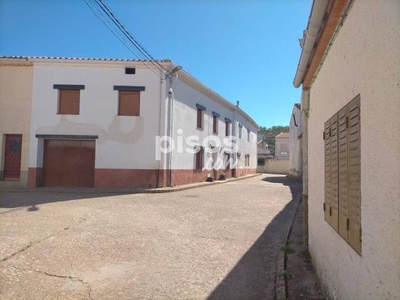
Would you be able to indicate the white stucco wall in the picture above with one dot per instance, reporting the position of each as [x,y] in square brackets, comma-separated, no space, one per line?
[279,148]
[295,130]
[364,59]
[274,166]
[15,110]
[124,141]
[185,118]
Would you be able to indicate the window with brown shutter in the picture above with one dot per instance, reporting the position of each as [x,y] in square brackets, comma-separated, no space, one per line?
[129,103]
[215,124]
[200,158]
[343,173]
[227,127]
[68,102]
[199,118]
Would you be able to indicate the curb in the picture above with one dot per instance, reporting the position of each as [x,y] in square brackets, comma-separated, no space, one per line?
[124,191]
[281,281]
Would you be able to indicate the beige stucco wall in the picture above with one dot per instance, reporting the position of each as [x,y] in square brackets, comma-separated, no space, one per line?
[364,60]
[15,110]
[274,166]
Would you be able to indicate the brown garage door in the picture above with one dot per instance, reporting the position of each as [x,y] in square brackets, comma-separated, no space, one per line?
[68,163]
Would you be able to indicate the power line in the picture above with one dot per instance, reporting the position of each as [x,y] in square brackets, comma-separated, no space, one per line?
[118,24]
[121,33]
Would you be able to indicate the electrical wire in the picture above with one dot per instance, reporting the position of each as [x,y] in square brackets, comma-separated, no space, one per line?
[129,36]
[120,35]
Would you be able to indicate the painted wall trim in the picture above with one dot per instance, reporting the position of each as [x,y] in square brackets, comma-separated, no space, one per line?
[67,137]
[228,120]
[215,114]
[129,88]
[69,86]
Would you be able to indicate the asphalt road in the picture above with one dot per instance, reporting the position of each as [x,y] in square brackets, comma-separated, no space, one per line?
[215,242]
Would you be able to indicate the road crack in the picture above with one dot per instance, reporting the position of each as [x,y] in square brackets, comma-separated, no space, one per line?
[23,249]
[72,278]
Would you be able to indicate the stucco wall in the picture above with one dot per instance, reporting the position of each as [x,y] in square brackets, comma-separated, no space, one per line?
[273,166]
[279,148]
[295,130]
[185,120]
[364,59]
[15,112]
[124,141]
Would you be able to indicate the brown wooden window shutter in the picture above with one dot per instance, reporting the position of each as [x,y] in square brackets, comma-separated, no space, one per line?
[215,124]
[129,103]
[354,174]
[343,173]
[69,102]
[199,118]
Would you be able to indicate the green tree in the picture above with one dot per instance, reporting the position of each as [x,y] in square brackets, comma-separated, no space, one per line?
[268,134]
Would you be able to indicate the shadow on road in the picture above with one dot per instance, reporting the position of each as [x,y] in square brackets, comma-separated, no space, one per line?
[12,200]
[253,277]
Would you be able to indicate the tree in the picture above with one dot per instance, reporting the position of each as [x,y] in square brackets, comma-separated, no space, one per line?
[269,134]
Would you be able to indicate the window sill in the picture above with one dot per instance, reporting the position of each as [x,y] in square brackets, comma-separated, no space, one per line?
[200,129]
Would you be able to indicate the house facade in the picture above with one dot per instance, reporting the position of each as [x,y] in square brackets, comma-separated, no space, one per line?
[110,123]
[350,101]
[282,146]
[295,135]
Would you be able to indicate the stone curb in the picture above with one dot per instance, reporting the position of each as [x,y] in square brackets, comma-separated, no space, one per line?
[280,280]
[124,191]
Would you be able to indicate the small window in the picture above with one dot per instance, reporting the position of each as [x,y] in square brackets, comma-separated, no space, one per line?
[227,127]
[215,124]
[248,135]
[130,71]
[200,158]
[200,117]
[129,103]
[240,131]
[247,160]
[68,102]
[228,163]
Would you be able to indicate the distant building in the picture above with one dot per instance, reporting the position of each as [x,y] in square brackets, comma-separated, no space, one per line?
[282,146]
[263,152]
[296,132]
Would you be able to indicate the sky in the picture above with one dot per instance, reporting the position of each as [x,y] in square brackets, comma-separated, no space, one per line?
[243,50]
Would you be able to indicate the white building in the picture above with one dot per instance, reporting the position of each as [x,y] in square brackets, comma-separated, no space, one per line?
[351,100]
[282,146]
[103,122]
[295,135]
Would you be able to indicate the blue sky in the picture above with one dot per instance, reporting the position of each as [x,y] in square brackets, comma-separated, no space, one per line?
[244,50]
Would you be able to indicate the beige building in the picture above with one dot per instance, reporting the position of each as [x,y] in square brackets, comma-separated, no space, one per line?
[15,119]
[350,75]
[282,146]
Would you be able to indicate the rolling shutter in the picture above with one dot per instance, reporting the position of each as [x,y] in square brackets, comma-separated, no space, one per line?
[354,172]
[68,102]
[129,103]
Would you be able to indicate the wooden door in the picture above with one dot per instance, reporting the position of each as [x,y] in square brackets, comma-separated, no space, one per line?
[68,163]
[12,156]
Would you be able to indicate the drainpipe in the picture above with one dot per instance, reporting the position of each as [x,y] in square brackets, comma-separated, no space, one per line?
[308,42]
[171,95]
[234,156]
[159,129]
